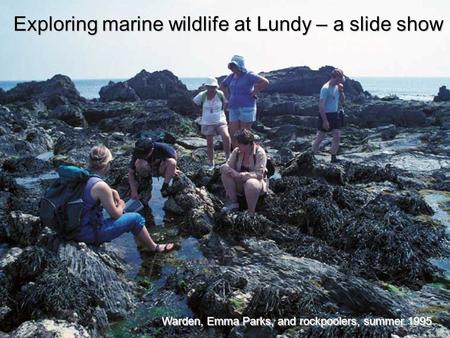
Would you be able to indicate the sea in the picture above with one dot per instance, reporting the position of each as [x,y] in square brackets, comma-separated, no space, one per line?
[406,88]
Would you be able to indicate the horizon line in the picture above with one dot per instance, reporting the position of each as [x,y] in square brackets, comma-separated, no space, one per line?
[197,77]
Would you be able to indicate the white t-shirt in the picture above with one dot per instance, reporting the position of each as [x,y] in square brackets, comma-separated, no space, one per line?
[212,112]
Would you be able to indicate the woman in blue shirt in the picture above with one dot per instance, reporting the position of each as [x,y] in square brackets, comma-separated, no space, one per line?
[242,88]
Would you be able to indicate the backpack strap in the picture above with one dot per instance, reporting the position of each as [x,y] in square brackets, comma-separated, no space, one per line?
[218,93]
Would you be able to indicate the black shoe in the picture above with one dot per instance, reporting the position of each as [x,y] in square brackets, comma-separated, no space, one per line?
[165,190]
[334,159]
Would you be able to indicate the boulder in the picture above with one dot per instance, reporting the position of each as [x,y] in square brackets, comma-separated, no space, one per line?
[192,142]
[22,228]
[59,90]
[156,85]
[398,112]
[70,114]
[443,95]
[120,91]
[50,328]
[305,81]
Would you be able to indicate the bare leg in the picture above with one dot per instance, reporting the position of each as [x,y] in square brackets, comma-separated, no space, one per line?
[246,125]
[319,138]
[225,140]
[145,238]
[252,188]
[210,144]
[335,142]
[234,127]
[229,184]
[168,169]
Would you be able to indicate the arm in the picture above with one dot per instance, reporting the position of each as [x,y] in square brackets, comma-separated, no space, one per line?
[231,164]
[260,84]
[342,94]
[259,170]
[133,184]
[102,192]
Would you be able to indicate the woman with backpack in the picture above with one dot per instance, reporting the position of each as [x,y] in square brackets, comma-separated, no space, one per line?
[213,119]
[98,195]
[242,88]
[245,172]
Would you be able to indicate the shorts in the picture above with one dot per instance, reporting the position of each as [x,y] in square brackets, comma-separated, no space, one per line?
[213,129]
[334,119]
[243,114]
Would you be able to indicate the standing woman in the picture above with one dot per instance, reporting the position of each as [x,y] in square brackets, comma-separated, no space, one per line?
[242,88]
[213,121]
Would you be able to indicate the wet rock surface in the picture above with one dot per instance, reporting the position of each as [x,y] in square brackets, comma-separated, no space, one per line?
[363,238]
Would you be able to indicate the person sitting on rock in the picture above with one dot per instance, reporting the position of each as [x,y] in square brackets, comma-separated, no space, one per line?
[245,172]
[98,195]
[242,88]
[151,159]
[213,120]
[330,119]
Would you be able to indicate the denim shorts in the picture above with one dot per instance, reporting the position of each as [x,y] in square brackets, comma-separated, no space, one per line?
[243,114]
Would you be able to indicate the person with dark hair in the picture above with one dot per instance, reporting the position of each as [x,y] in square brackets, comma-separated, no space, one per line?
[98,195]
[245,172]
[330,119]
[151,159]
[242,88]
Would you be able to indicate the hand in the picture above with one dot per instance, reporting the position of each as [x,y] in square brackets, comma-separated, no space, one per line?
[244,176]
[326,125]
[121,204]
[341,87]
[255,93]
[234,173]
[177,172]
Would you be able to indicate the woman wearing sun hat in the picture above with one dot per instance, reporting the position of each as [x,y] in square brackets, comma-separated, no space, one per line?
[242,88]
[213,120]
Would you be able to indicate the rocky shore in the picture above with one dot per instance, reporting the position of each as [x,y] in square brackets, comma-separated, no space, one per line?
[365,238]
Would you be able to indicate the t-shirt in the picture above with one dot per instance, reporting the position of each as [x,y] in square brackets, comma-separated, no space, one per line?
[161,151]
[331,96]
[212,110]
[240,89]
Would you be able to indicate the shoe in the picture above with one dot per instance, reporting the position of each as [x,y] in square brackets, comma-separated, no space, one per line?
[230,206]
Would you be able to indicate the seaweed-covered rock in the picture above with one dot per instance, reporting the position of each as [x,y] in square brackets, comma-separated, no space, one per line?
[277,285]
[23,229]
[377,233]
[50,328]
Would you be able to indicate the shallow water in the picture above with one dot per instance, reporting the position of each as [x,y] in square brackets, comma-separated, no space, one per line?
[439,201]
[152,270]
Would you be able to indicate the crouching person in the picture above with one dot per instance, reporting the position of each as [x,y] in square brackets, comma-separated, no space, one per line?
[151,159]
[98,195]
[245,172]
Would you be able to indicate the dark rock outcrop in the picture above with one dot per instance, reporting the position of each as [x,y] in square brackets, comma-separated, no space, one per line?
[305,81]
[144,85]
[59,90]
[443,95]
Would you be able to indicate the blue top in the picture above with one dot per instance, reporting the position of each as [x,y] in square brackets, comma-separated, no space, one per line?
[330,94]
[92,211]
[240,89]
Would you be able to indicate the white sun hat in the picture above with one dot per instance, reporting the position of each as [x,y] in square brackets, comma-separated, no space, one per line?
[212,82]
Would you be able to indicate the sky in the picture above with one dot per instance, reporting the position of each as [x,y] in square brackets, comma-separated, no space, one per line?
[28,56]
